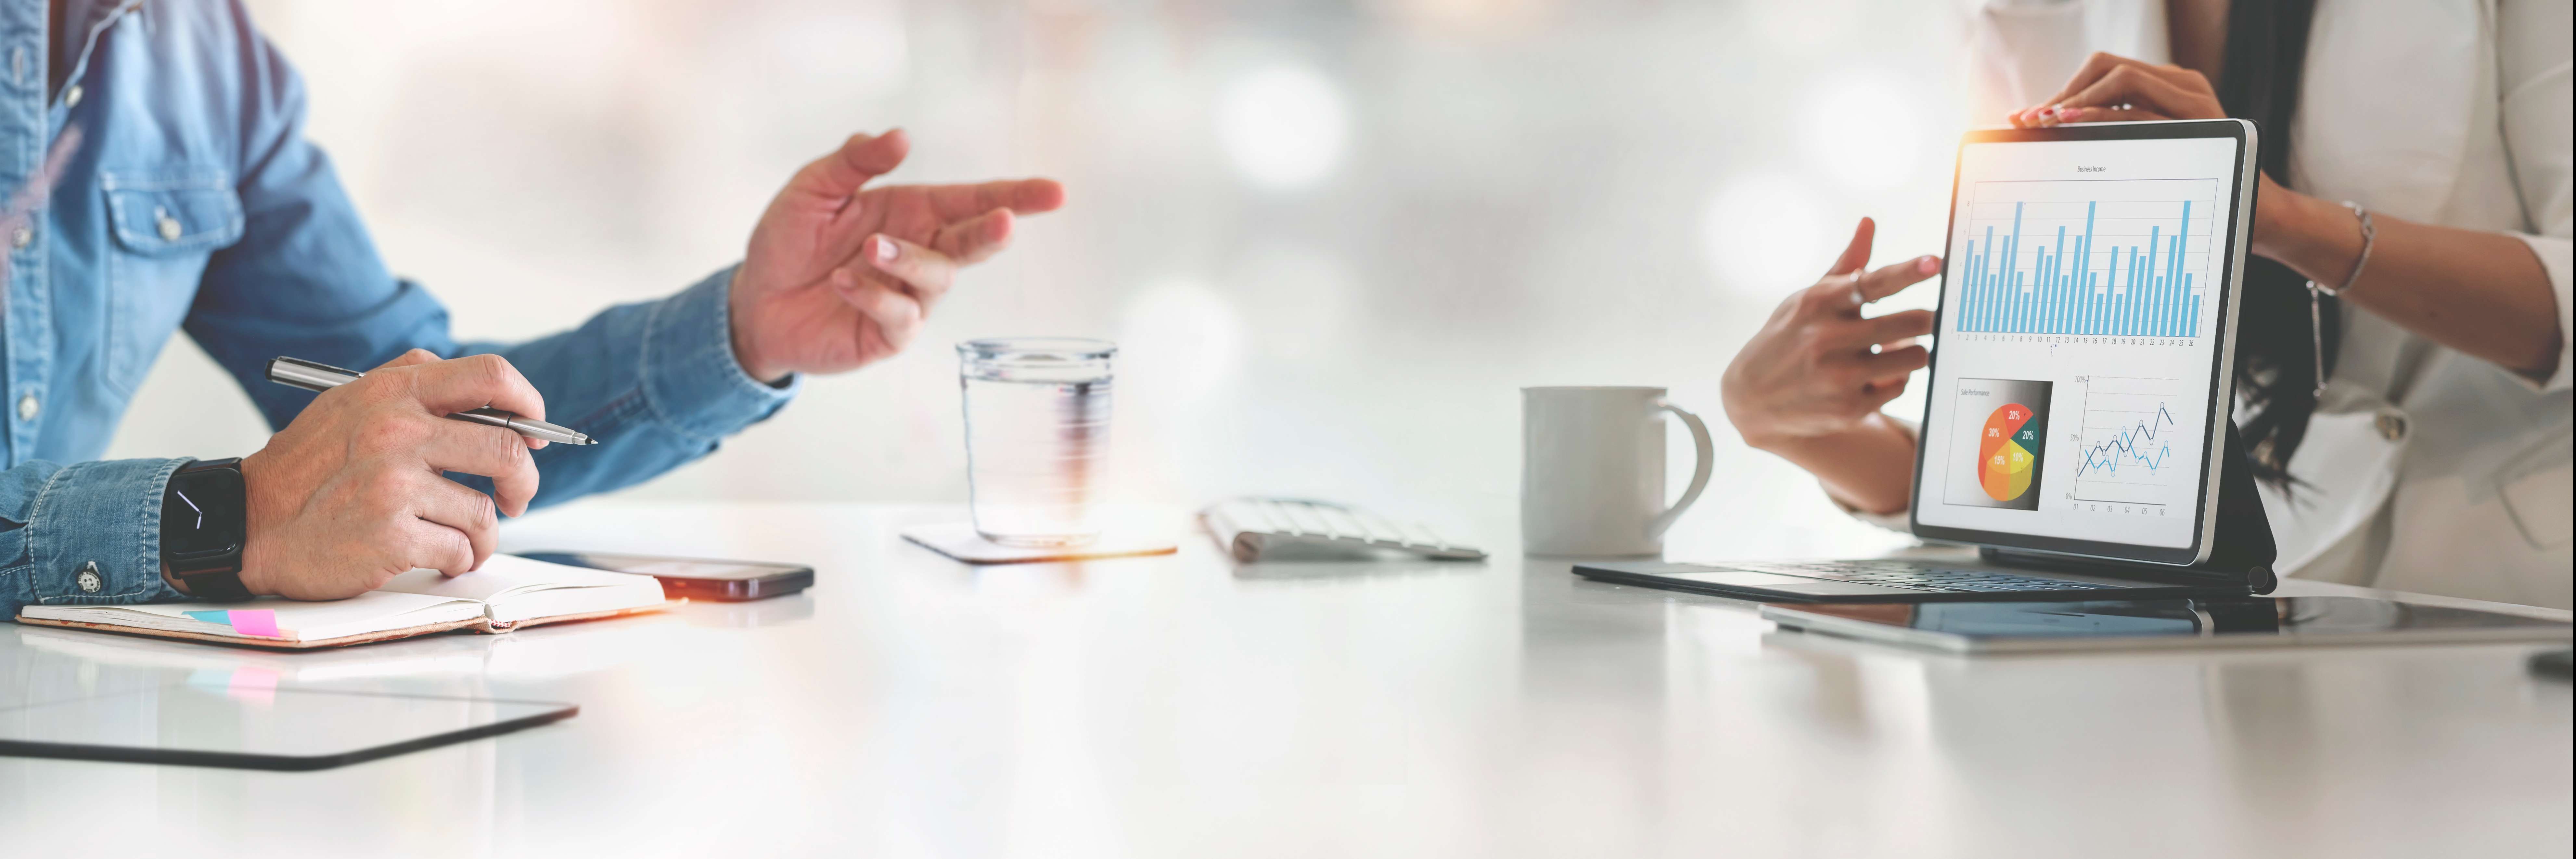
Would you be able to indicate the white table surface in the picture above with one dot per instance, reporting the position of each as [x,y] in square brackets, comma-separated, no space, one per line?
[1179,706]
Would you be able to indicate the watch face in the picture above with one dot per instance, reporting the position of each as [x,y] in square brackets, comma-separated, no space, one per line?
[202,513]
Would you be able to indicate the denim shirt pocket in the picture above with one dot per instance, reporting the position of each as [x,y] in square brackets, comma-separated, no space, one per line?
[166,224]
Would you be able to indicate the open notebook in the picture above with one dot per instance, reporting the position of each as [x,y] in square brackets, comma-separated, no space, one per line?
[507,593]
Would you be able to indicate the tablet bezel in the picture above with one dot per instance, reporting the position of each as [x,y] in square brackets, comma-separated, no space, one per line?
[2222,389]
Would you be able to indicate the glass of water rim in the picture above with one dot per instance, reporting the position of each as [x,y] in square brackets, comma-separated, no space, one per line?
[1037,433]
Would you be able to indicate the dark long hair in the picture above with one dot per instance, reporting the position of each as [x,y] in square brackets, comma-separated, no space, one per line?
[2276,366]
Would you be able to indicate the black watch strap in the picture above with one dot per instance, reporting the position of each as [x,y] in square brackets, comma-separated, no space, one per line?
[216,579]
[215,585]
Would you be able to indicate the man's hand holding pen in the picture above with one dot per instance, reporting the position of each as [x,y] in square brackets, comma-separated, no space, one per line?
[353,492]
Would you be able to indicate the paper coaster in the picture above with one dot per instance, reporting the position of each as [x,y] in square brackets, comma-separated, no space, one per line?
[958,540]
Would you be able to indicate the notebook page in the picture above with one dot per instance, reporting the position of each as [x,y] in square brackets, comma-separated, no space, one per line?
[517,588]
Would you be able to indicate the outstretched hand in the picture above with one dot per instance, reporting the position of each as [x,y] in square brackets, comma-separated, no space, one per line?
[837,277]
[1819,367]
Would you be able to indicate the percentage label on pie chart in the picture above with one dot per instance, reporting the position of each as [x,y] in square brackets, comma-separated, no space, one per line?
[2008,451]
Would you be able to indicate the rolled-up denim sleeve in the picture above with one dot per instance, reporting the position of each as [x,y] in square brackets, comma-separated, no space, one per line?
[83,534]
[655,382]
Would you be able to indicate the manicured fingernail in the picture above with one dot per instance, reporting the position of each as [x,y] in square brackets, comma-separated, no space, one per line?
[885,249]
[1928,265]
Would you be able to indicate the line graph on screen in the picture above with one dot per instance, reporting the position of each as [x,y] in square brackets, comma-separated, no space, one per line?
[2132,448]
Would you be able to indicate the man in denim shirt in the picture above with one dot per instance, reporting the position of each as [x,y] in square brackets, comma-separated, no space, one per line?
[193,201]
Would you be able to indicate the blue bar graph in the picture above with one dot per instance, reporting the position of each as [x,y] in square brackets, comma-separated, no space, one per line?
[2070,280]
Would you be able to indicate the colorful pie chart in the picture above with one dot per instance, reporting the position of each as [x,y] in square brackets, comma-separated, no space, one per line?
[2005,452]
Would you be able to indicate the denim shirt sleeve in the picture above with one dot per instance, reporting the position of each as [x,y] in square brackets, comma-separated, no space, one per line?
[656,382]
[83,534]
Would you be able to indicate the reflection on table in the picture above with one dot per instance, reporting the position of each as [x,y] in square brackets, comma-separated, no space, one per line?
[1185,706]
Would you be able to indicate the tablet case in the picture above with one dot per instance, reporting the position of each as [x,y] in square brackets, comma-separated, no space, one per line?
[2241,551]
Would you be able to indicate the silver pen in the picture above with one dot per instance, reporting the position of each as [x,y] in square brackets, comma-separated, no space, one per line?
[313,376]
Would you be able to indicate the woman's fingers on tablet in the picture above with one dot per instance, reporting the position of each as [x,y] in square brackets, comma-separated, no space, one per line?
[2116,113]
[2139,92]
[2111,88]
[2129,85]
[2095,67]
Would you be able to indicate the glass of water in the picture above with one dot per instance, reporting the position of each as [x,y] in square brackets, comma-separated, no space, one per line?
[1037,431]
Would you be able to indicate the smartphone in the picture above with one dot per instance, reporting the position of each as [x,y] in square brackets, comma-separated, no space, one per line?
[695,578]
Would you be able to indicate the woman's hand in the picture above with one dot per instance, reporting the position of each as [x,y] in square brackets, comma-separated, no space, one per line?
[1818,367]
[2112,88]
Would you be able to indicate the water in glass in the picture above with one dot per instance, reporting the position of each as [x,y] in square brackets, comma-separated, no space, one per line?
[1037,432]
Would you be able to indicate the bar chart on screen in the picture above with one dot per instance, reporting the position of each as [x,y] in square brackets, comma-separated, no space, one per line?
[2133,447]
[2087,257]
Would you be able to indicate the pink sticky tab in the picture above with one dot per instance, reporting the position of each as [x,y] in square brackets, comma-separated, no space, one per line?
[259,622]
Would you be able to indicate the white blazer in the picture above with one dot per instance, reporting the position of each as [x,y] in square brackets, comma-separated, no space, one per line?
[2430,471]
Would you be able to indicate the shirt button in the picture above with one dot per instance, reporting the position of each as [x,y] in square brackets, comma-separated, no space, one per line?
[28,407]
[88,580]
[21,237]
[169,227]
[2392,425]
[71,97]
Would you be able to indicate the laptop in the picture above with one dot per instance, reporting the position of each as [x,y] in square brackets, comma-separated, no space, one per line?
[2076,425]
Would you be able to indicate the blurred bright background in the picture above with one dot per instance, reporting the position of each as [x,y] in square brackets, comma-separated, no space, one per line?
[1333,239]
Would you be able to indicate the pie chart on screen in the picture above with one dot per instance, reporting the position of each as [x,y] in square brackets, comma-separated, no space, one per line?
[2007,453]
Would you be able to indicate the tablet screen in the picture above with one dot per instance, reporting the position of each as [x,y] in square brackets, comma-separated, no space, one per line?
[2077,371]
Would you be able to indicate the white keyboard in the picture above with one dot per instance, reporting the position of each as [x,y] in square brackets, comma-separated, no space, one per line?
[1290,529]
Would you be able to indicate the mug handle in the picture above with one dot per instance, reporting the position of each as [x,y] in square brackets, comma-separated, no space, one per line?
[1699,475]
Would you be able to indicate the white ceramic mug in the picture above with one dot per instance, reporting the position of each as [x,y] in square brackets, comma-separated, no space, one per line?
[1592,471]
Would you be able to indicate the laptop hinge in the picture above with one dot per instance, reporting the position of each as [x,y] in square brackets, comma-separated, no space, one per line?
[2243,550]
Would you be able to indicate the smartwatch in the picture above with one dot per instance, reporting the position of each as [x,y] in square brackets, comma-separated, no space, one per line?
[203,524]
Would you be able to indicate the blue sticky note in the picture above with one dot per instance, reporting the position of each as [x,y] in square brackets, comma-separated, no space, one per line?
[221,617]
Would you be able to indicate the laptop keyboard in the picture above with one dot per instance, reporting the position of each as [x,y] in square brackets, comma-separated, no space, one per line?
[1914,576]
